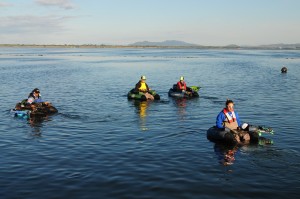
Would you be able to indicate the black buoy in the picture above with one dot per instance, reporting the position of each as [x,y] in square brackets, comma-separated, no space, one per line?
[284,69]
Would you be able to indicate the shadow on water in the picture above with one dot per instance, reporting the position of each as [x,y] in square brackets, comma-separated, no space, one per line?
[214,100]
[71,116]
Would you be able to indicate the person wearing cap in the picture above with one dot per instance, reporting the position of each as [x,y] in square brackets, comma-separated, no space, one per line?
[35,97]
[229,120]
[181,85]
[142,86]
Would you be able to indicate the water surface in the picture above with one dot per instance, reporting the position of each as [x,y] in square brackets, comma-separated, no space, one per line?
[101,145]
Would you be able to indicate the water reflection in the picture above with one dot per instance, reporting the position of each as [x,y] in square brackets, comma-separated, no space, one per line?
[181,104]
[37,123]
[141,107]
[226,153]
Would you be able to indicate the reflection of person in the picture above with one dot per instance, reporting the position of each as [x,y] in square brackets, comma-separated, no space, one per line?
[225,153]
[142,107]
[142,86]
[229,120]
[181,106]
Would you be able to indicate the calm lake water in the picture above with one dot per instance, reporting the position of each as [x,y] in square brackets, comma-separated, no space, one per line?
[101,145]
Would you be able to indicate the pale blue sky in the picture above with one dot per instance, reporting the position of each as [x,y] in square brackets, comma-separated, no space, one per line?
[203,22]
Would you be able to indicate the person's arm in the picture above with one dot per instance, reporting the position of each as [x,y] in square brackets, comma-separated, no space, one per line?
[148,89]
[137,86]
[220,120]
[39,100]
[178,86]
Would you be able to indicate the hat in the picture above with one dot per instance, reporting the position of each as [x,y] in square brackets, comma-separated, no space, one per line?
[143,77]
[36,90]
[181,78]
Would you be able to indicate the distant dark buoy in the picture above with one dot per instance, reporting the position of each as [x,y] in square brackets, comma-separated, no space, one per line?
[284,69]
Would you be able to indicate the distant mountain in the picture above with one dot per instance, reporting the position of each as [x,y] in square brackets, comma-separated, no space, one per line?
[175,43]
[163,43]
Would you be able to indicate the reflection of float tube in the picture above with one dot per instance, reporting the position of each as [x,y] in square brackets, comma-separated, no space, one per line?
[265,141]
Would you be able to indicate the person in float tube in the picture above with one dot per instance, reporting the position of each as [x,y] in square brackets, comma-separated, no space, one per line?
[142,86]
[229,120]
[35,98]
[181,86]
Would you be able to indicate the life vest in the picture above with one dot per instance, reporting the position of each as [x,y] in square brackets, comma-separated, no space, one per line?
[229,118]
[181,86]
[230,121]
[35,100]
[143,86]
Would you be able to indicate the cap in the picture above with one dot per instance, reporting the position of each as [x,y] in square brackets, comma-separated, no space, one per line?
[36,90]
[181,78]
[143,77]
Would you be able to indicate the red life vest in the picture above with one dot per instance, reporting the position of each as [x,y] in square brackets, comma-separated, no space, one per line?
[181,86]
[229,118]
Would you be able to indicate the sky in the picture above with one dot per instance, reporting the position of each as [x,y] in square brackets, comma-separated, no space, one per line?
[122,22]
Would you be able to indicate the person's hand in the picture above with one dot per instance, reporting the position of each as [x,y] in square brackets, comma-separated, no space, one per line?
[47,103]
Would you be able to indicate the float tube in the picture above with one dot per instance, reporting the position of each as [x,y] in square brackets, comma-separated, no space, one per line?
[228,137]
[133,94]
[23,110]
[193,92]
[284,69]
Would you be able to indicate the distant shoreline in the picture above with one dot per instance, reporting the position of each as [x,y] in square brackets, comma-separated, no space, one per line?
[142,47]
